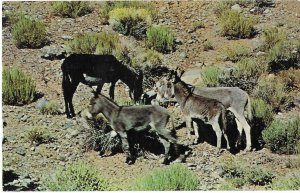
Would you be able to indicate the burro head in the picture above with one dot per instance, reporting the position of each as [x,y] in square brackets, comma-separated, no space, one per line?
[96,105]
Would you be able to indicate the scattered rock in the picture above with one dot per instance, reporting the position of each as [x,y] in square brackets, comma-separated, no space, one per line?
[53,52]
[178,41]
[21,151]
[65,37]
[237,8]
[266,11]
[183,55]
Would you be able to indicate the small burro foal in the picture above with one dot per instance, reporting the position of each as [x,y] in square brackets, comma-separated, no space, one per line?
[141,117]
[195,106]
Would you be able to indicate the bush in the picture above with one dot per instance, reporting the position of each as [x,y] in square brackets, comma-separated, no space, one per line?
[99,43]
[50,108]
[78,177]
[291,78]
[271,36]
[106,7]
[236,51]
[28,33]
[289,182]
[239,173]
[160,38]
[258,176]
[17,87]
[284,55]
[262,113]
[283,136]
[38,136]
[234,25]
[149,58]
[174,177]
[70,8]
[273,91]
[250,68]
[130,21]
[211,75]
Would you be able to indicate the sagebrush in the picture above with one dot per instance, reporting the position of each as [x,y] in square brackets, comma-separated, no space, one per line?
[283,136]
[70,8]
[130,21]
[17,87]
[160,38]
[81,176]
[99,43]
[174,177]
[235,25]
[29,33]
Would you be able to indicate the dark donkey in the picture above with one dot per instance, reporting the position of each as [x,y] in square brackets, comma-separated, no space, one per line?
[95,70]
[138,118]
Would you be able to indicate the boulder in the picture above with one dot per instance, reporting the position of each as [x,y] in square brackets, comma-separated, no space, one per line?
[53,52]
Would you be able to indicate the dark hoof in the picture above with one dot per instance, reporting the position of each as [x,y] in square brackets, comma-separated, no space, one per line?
[129,161]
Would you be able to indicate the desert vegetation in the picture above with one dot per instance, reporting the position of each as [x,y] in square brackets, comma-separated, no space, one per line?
[253,45]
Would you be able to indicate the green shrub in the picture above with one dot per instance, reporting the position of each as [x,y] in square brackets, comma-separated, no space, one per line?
[284,55]
[174,177]
[249,68]
[17,87]
[28,33]
[78,177]
[271,36]
[258,176]
[208,46]
[221,7]
[262,113]
[289,182]
[13,17]
[291,78]
[38,136]
[149,58]
[283,136]
[236,51]
[51,108]
[211,76]
[70,8]
[130,21]
[98,43]
[160,38]
[239,173]
[234,25]
[106,7]
[273,91]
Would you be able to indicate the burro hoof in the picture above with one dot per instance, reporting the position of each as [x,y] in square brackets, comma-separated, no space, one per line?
[247,149]
[129,161]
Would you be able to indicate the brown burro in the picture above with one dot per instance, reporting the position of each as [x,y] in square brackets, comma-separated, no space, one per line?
[195,106]
[138,118]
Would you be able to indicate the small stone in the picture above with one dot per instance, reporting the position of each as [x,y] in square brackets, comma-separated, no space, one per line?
[32,148]
[65,37]
[20,151]
[266,11]
[237,8]
[183,55]
[190,41]
[178,41]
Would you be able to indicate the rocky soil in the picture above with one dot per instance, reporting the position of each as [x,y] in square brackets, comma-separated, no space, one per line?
[25,164]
